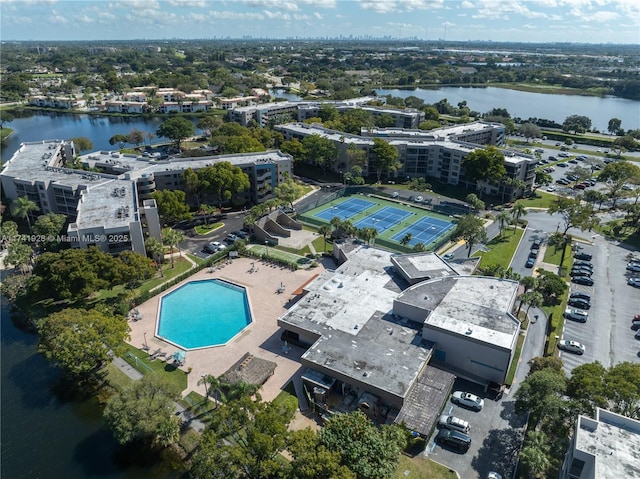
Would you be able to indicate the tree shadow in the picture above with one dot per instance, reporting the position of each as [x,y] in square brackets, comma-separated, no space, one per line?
[499,452]
[509,414]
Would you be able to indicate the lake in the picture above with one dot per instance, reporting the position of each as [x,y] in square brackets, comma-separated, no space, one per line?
[525,104]
[46,437]
[534,105]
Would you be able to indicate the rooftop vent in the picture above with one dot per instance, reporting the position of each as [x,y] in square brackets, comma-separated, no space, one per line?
[469,331]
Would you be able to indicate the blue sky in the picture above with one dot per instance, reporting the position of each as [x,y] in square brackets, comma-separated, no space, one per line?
[577,21]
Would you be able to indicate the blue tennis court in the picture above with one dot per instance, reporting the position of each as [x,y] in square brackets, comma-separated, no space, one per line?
[383,219]
[424,231]
[345,210]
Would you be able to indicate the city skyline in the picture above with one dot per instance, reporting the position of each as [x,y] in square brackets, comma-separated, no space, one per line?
[531,21]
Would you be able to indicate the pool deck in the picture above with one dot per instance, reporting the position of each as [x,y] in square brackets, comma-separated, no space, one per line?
[261,338]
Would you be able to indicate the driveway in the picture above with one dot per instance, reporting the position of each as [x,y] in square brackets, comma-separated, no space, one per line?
[496,437]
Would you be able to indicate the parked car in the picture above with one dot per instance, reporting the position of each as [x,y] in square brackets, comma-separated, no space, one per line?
[551,188]
[562,165]
[580,295]
[585,280]
[530,262]
[635,282]
[579,303]
[634,267]
[214,247]
[583,256]
[579,186]
[454,423]
[448,256]
[468,400]
[571,346]
[454,439]
[583,263]
[231,238]
[576,315]
[635,324]
[240,234]
[581,272]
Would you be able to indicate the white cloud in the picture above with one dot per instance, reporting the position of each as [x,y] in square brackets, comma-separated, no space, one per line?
[188,3]
[318,15]
[467,4]
[56,17]
[290,6]
[229,15]
[399,6]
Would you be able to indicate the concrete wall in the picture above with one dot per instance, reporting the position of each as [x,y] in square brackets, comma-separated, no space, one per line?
[472,356]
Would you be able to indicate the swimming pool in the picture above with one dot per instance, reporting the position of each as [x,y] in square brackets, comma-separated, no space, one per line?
[201,314]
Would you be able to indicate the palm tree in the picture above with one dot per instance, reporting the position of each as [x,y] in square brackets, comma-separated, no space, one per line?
[325,230]
[406,239]
[172,238]
[21,207]
[535,299]
[155,248]
[503,218]
[535,455]
[517,212]
[241,390]
[529,283]
[212,387]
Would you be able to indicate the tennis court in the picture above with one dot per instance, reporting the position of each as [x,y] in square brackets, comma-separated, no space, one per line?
[424,231]
[383,219]
[345,209]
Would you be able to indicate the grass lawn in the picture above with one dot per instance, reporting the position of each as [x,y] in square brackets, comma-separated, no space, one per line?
[616,229]
[5,132]
[117,379]
[514,362]
[143,363]
[540,200]
[557,321]
[206,229]
[553,255]
[287,395]
[277,253]
[420,468]
[321,245]
[502,248]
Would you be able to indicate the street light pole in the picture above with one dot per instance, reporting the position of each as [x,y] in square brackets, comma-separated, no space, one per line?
[145,341]
[266,245]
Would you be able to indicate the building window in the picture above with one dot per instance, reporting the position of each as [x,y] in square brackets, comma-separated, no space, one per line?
[576,468]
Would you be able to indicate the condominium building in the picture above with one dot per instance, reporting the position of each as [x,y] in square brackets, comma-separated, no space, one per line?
[425,154]
[113,210]
[607,446]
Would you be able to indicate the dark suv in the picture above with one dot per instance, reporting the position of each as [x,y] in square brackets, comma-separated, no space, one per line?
[454,439]
[583,256]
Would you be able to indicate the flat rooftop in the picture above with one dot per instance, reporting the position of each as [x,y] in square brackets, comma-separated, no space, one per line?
[472,306]
[422,266]
[350,309]
[108,204]
[614,441]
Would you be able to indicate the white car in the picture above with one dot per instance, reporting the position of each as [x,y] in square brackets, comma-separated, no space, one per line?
[468,400]
[551,188]
[494,475]
[571,346]
[448,256]
[419,199]
[454,423]
[635,267]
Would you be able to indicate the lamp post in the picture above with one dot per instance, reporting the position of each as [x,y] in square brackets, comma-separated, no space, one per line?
[146,347]
[266,245]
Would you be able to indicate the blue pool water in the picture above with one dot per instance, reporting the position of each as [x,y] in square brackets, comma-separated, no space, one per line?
[203,313]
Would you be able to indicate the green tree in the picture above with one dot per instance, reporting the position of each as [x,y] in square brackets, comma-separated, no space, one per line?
[535,455]
[517,212]
[530,130]
[385,157]
[577,123]
[192,184]
[586,388]
[312,460]
[503,218]
[419,247]
[475,202]
[172,206]
[539,363]
[623,385]
[210,123]
[614,125]
[529,282]
[120,139]
[82,342]
[82,143]
[616,175]
[294,148]
[176,129]
[325,231]
[593,197]
[484,164]
[155,248]
[471,229]
[172,238]
[223,180]
[371,453]
[541,395]
[574,213]
[135,137]
[320,151]
[213,387]
[406,239]
[551,286]
[19,255]
[49,225]
[132,268]
[21,208]
[144,411]
[542,179]
[289,191]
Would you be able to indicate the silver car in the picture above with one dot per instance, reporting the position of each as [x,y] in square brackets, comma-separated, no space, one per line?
[455,423]
[467,400]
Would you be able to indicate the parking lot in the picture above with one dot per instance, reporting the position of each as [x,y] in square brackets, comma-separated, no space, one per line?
[607,334]
[496,435]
